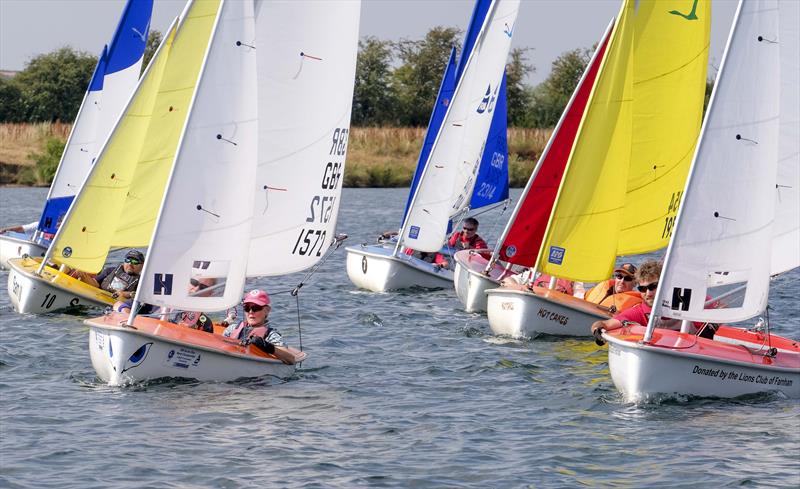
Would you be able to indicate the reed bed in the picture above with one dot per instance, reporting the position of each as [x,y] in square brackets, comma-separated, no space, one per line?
[376,157]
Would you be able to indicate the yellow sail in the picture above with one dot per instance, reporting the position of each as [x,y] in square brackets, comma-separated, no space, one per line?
[670,63]
[581,240]
[119,202]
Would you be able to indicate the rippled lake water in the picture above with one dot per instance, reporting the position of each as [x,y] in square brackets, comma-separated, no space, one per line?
[400,390]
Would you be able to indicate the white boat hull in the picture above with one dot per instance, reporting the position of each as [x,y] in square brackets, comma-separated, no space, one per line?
[13,247]
[32,294]
[375,269]
[644,372]
[471,281]
[123,355]
[526,314]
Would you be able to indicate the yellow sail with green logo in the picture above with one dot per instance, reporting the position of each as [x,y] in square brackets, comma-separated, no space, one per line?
[581,239]
[670,64]
[120,199]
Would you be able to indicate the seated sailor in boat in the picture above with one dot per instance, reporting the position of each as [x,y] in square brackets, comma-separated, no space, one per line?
[466,239]
[617,293]
[647,277]
[22,228]
[121,280]
[255,329]
[199,287]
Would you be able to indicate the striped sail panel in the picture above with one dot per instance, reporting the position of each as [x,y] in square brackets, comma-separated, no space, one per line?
[524,237]
[786,232]
[118,204]
[581,240]
[446,90]
[724,227]
[491,183]
[306,70]
[446,186]
[112,83]
[670,59]
[203,230]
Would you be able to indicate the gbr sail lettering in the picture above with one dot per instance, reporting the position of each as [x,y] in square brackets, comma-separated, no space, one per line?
[312,238]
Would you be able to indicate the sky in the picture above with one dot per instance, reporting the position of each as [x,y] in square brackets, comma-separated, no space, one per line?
[549,27]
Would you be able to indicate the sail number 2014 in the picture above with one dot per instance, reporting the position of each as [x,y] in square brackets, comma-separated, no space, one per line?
[321,207]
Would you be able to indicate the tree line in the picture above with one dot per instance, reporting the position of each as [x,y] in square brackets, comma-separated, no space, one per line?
[396,82]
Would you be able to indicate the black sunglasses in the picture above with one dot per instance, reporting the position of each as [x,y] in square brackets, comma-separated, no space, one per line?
[133,261]
[626,278]
[252,307]
[469,229]
[645,288]
[196,283]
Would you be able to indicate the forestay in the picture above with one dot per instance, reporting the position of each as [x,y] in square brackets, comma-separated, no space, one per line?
[306,73]
[119,202]
[203,230]
[724,229]
[446,185]
[110,88]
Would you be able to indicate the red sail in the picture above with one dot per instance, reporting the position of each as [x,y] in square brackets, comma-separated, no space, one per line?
[524,238]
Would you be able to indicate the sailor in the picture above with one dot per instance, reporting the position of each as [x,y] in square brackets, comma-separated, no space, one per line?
[617,293]
[255,329]
[121,280]
[466,239]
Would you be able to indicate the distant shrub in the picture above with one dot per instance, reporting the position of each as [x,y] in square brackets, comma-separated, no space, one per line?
[46,161]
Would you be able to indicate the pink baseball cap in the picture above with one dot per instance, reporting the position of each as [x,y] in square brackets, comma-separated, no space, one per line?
[256,296]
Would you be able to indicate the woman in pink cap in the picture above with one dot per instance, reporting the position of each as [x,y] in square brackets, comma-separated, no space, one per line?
[255,329]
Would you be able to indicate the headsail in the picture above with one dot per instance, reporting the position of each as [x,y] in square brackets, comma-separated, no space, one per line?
[724,227]
[446,185]
[306,73]
[203,229]
[111,85]
[526,228]
[119,202]
[446,89]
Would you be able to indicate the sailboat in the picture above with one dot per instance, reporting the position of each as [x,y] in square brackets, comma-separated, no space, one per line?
[623,179]
[254,185]
[474,273]
[463,164]
[112,82]
[738,226]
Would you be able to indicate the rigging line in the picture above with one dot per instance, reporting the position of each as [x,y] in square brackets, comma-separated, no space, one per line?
[299,328]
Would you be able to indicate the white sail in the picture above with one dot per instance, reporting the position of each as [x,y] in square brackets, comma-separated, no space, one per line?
[786,241]
[203,231]
[306,69]
[446,185]
[725,226]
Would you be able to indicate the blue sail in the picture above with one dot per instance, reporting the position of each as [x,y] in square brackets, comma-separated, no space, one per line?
[125,51]
[446,89]
[491,184]
[475,23]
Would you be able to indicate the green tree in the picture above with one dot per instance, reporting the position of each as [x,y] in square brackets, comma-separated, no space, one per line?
[416,81]
[550,97]
[517,92]
[153,41]
[10,106]
[46,161]
[373,103]
[52,85]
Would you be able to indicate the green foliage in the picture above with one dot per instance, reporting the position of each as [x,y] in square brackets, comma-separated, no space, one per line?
[52,85]
[709,88]
[46,161]
[373,100]
[550,98]
[518,98]
[416,82]
[153,41]
[10,98]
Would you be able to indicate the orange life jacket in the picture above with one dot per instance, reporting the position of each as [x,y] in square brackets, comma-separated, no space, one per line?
[622,301]
[600,292]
